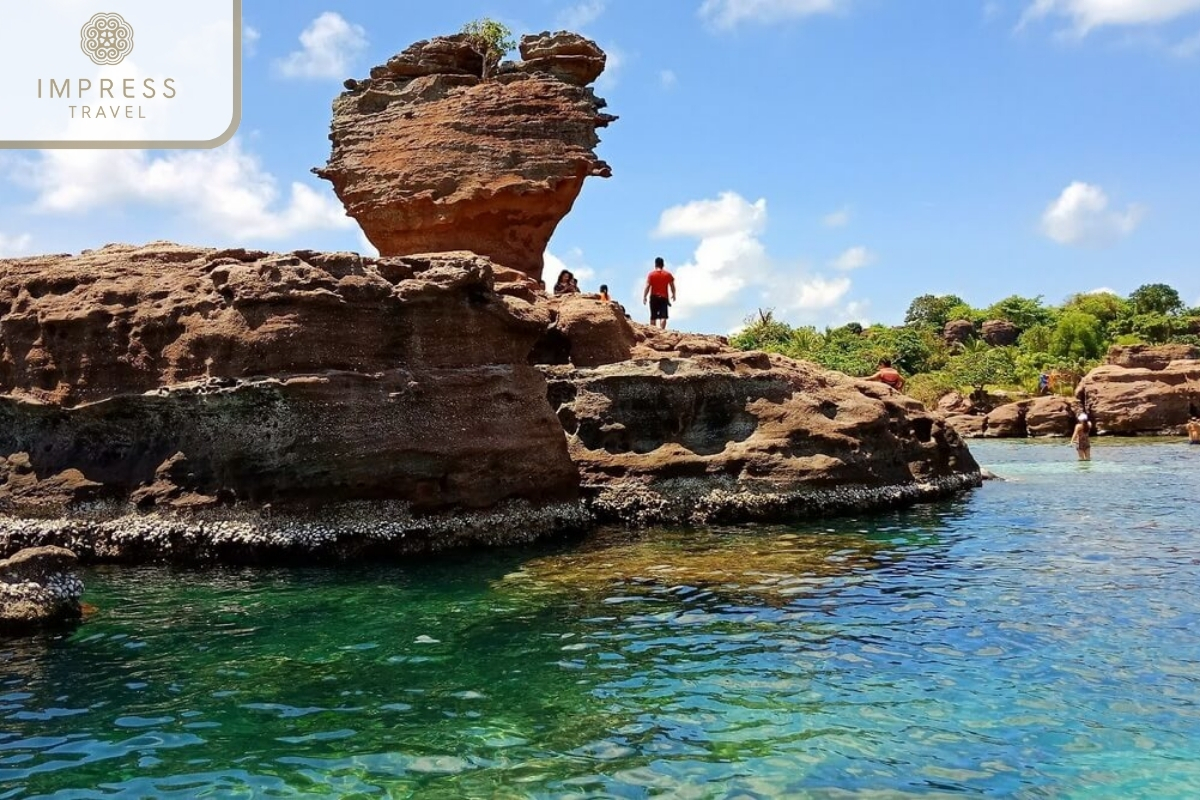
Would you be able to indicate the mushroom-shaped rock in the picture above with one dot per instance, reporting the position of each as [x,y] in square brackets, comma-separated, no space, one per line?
[38,588]
[428,158]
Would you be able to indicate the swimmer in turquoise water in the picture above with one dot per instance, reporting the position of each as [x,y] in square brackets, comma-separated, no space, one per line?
[1082,439]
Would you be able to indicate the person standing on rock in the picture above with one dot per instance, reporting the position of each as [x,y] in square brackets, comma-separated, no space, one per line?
[1082,439]
[658,283]
[1193,429]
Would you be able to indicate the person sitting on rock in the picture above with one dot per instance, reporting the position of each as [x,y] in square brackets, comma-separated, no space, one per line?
[887,374]
[604,298]
[1193,430]
[566,283]
[658,283]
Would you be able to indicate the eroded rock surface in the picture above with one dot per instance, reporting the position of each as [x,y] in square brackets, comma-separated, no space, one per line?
[1133,401]
[730,435]
[429,157]
[1145,356]
[178,378]
[38,588]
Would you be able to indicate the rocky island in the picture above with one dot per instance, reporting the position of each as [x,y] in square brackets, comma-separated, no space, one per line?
[171,402]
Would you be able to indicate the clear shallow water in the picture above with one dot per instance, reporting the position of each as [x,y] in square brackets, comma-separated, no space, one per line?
[1039,638]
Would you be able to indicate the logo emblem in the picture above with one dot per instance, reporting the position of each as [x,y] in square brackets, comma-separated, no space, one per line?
[107,39]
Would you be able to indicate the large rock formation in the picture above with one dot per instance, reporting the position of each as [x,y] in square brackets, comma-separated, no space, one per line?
[1000,333]
[1034,417]
[429,157]
[181,402]
[1147,356]
[38,588]
[1131,401]
[692,431]
[190,378]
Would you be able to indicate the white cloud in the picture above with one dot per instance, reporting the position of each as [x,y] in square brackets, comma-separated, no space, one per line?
[1081,216]
[729,213]
[365,247]
[837,219]
[854,258]
[328,46]
[224,190]
[14,245]
[1102,290]
[1187,48]
[250,37]
[1089,14]
[575,264]
[818,293]
[667,79]
[612,68]
[580,15]
[730,13]
[731,268]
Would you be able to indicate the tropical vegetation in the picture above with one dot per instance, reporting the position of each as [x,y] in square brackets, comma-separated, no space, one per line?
[942,345]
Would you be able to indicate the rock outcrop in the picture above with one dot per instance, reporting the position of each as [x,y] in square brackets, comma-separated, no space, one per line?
[691,431]
[429,157]
[1135,401]
[38,589]
[1035,417]
[176,378]
[172,402]
[958,331]
[1146,356]
[1000,333]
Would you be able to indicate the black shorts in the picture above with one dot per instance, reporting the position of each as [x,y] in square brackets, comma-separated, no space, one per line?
[658,307]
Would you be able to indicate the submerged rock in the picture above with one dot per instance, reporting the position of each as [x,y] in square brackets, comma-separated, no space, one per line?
[38,589]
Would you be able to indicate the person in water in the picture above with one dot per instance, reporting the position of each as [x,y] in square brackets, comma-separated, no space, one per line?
[888,374]
[1193,429]
[566,283]
[658,283]
[1082,438]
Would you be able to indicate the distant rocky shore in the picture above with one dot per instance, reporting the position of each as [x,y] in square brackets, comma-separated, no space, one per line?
[191,404]
[1142,390]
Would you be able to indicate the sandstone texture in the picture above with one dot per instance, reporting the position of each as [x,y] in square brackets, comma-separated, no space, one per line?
[177,378]
[167,402]
[38,589]
[1132,401]
[429,157]
[691,431]
[1145,356]
[1036,417]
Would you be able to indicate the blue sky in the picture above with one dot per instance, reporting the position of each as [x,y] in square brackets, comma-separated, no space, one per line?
[829,159]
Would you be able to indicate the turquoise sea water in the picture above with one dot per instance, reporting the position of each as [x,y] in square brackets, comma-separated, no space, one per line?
[1038,638]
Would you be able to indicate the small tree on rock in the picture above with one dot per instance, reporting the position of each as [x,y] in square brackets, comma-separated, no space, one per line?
[492,40]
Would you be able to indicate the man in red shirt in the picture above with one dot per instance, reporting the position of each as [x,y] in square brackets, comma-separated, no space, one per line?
[658,283]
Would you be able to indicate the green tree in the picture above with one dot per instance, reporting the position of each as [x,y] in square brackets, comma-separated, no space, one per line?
[1024,312]
[1156,298]
[932,311]
[980,367]
[491,39]
[1078,337]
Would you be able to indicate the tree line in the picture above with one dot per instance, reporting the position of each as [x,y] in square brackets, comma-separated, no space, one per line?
[945,344]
